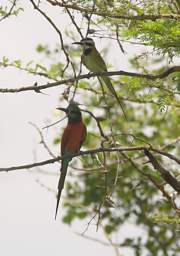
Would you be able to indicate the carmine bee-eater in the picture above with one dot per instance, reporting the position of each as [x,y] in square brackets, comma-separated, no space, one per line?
[73,136]
[93,61]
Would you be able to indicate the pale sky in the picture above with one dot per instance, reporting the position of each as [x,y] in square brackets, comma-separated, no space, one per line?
[27,225]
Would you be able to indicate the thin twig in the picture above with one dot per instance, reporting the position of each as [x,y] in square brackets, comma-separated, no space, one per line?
[93,239]
[28,70]
[42,140]
[90,17]
[118,40]
[171,143]
[10,11]
[73,21]
[98,123]
[58,121]
[58,32]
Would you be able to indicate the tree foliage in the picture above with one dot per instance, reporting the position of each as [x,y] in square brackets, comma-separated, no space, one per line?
[119,188]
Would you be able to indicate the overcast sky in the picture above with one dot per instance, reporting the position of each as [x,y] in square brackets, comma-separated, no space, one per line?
[27,225]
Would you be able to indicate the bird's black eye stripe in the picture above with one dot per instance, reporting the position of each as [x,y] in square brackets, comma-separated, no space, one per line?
[88,44]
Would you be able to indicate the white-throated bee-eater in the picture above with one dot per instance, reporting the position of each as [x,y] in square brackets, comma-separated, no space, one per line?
[93,61]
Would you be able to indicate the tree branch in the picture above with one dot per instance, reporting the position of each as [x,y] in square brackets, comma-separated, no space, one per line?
[164,173]
[80,77]
[81,153]
[155,183]
[42,141]
[28,166]
[114,16]
[177,160]
[74,22]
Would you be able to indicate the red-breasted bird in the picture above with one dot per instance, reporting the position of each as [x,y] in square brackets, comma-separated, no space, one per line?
[73,136]
[93,61]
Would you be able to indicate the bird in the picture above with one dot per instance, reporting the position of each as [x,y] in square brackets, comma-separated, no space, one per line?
[73,136]
[93,61]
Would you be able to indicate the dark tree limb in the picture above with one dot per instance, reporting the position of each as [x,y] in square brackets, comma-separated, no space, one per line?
[177,160]
[82,153]
[164,173]
[80,77]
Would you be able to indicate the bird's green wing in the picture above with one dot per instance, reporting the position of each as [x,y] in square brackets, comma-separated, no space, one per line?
[93,61]
[99,62]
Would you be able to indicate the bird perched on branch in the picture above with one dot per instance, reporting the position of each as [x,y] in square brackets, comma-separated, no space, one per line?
[93,61]
[73,136]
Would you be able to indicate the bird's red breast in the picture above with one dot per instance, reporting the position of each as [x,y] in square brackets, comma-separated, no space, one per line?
[73,137]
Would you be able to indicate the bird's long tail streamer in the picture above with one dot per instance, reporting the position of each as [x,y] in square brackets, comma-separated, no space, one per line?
[63,171]
[107,81]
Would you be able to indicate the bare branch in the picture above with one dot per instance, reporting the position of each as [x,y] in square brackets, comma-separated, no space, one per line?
[81,153]
[80,77]
[57,30]
[73,21]
[90,17]
[98,123]
[93,239]
[42,141]
[28,166]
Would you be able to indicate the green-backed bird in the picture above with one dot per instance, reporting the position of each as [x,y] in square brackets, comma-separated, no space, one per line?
[73,136]
[93,61]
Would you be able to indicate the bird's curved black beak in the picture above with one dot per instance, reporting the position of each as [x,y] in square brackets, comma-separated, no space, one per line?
[77,43]
[63,109]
